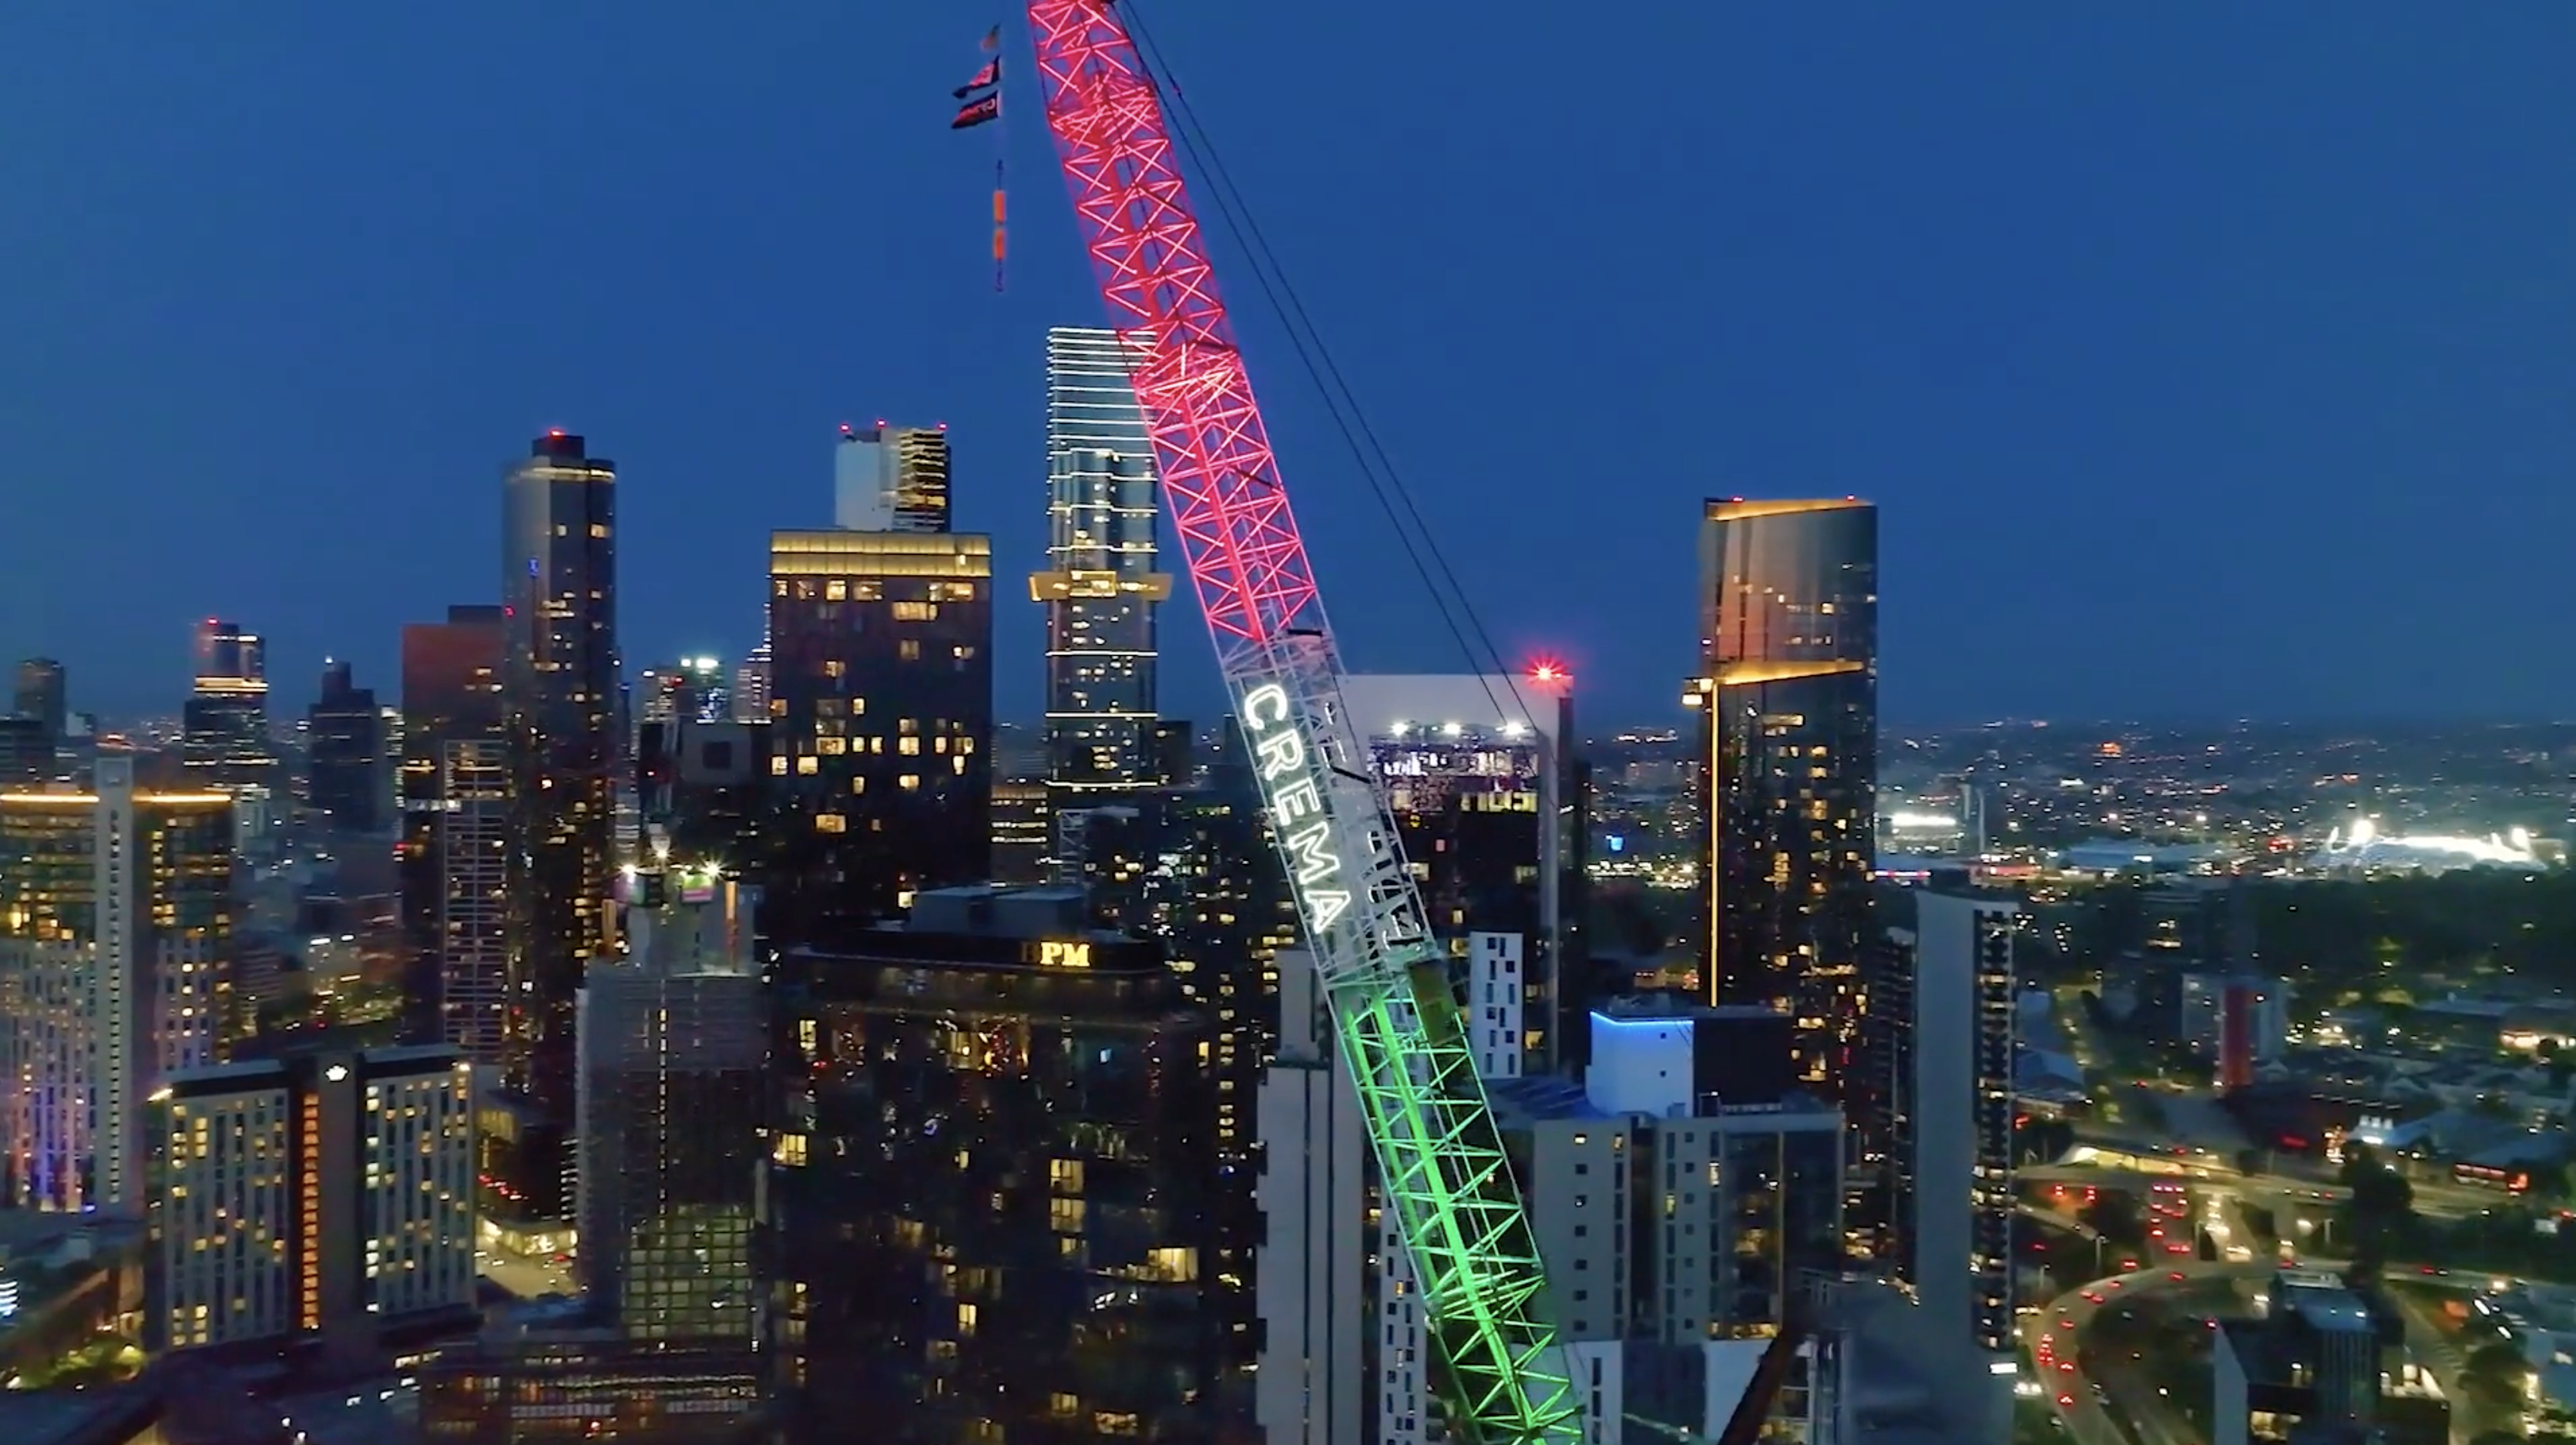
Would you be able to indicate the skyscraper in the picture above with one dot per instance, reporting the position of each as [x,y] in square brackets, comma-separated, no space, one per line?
[1100,587]
[882,689]
[42,694]
[225,721]
[891,479]
[345,734]
[116,926]
[674,1047]
[1788,707]
[560,691]
[1940,1071]
[453,854]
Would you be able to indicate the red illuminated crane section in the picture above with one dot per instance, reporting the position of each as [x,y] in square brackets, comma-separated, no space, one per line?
[1440,1156]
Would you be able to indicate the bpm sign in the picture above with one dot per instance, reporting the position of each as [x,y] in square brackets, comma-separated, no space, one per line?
[1296,805]
[1052,954]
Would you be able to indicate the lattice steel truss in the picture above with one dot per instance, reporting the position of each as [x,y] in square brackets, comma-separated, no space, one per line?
[1499,1370]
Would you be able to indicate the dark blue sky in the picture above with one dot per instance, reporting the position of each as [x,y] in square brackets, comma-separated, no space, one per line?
[2203,364]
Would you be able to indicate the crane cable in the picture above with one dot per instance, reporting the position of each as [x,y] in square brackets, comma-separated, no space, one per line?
[1457,614]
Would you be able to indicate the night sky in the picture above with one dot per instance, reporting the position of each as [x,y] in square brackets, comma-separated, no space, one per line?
[2202,365]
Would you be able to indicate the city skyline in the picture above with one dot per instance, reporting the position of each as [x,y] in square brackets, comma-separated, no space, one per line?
[2175,346]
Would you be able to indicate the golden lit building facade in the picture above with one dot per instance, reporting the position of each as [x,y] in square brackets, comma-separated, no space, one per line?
[881,696]
[1787,701]
[115,943]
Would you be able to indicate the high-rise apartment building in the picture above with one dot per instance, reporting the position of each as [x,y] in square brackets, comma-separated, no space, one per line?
[1787,699]
[43,693]
[1100,585]
[1478,773]
[327,1191]
[344,733]
[454,851]
[891,479]
[674,1042]
[882,691]
[116,922]
[225,721]
[560,687]
[1313,1387]
[1940,1069]
[991,1187]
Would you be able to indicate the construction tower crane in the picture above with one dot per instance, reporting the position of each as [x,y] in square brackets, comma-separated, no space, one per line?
[1500,1373]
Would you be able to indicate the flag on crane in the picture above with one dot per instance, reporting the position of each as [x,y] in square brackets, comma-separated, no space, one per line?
[982,97]
[985,79]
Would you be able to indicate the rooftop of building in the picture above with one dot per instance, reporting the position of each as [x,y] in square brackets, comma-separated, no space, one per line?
[1001,910]
[1537,1098]
[2324,1303]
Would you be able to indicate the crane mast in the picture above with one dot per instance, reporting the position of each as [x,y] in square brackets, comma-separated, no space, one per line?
[1439,1153]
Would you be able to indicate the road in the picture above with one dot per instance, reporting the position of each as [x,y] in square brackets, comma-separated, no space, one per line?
[524,1277]
[2052,1337]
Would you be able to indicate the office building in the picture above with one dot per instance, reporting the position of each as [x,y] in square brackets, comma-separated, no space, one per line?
[705,789]
[891,479]
[43,692]
[327,1191]
[560,692]
[1935,1099]
[224,724]
[674,1039]
[882,692]
[1478,774]
[692,689]
[991,1191]
[454,850]
[1099,585]
[1021,831]
[750,700]
[116,920]
[344,732]
[26,752]
[2322,1361]
[1787,699]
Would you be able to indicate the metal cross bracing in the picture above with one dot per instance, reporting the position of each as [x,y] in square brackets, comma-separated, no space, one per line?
[1440,1156]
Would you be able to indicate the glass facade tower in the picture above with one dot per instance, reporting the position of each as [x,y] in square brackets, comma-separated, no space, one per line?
[1788,707]
[1100,587]
[225,723]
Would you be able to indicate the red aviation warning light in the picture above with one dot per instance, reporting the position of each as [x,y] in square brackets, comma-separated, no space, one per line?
[1548,672]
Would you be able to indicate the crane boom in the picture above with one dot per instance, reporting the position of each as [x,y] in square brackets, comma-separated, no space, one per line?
[1440,1156]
